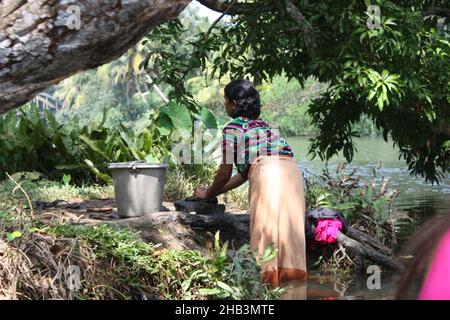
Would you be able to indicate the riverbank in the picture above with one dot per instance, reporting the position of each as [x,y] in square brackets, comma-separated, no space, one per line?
[143,255]
[154,256]
[418,199]
[82,251]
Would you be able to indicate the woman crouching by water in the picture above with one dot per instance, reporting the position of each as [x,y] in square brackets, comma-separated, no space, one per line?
[276,193]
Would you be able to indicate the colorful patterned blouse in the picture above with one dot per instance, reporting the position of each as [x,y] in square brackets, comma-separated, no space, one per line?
[244,139]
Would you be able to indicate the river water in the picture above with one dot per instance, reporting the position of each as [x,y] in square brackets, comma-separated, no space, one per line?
[418,199]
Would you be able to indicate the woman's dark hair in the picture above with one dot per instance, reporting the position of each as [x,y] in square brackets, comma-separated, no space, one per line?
[422,248]
[245,95]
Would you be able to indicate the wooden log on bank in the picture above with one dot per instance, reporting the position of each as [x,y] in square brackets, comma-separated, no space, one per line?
[189,230]
[368,240]
[361,245]
[367,252]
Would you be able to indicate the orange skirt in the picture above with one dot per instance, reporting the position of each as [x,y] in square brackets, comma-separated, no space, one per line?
[277,217]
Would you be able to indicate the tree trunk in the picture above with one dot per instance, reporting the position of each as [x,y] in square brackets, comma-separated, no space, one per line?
[45,41]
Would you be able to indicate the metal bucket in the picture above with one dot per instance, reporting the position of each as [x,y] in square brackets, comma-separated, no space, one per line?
[138,186]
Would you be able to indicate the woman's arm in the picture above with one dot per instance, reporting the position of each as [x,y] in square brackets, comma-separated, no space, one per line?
[235,181]
[220,180]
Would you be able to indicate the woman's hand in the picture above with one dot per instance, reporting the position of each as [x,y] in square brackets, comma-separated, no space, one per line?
[220,180]
[201,193]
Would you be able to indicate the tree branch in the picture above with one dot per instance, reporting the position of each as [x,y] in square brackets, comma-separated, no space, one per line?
[304,26]
[442,128]
[232,7]
[440,12]
[43,42]
[214,24]
[287,7]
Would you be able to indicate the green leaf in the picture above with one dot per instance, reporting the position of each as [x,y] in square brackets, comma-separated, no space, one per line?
[13,235]
[380,102]
[208,119]
[152,159]
[180,115]
[345,206]
[67,166]
[369,193]
[447,145]
[97,172]
[185,285]
[163,131]
[390,22]
[217,240]
[130,144]
[164,122]
[66,179]
[269,254]
[93,146]
[209,291]
[225,287]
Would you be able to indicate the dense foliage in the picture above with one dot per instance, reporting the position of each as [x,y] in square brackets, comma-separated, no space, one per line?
[38,142]
[397,75]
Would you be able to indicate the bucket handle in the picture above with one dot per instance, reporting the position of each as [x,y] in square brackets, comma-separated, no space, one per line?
[133,167]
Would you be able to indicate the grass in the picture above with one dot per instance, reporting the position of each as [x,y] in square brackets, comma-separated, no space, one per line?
[115,263]
[180,183]
[119,262]
[45,190]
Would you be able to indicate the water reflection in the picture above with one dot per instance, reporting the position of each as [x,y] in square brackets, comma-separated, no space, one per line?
[296,290]
[329,287]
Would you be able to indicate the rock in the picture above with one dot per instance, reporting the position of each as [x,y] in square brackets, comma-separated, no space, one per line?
[199,207]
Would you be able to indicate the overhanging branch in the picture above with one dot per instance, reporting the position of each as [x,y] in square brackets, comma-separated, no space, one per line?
[440,12]
[285,7]
[303,24]
[233,7]
[40,45]
[442,128]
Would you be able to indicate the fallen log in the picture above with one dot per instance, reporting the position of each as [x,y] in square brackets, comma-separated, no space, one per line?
[365,252]
[360,245]
[188,230]
[367,239]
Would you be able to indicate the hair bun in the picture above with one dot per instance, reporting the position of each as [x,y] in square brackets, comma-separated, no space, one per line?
[244,93]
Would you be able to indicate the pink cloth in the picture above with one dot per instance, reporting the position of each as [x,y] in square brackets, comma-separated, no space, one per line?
[327,230]
[437,281]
